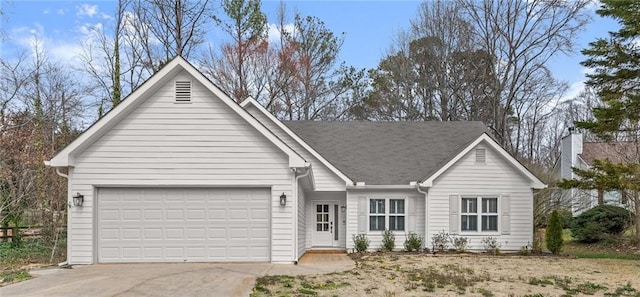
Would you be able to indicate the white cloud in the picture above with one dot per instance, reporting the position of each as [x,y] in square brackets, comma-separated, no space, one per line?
[274,31]
[60,11]
[46,11]
[106,16]
[86,10]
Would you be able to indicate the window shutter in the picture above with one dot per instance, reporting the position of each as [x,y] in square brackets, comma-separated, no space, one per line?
[454,213]
[410,211]
[362,214]
[505,211]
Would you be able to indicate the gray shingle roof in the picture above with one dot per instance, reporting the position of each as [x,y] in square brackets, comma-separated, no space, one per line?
[387,153]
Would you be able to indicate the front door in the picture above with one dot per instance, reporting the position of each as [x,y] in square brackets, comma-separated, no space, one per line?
[325,229]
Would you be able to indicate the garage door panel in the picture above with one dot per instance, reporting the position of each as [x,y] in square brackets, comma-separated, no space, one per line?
[177,225]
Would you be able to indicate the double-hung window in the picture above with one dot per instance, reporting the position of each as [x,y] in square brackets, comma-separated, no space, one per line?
[387,214]
[483,218]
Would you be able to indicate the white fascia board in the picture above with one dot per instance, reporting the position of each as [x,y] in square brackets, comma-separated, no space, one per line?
[295,137]
[381,187]
[536,183]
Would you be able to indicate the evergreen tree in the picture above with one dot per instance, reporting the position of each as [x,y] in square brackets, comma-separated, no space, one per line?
[616,78]
[553,235]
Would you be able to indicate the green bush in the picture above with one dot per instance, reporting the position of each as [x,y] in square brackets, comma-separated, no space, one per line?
[413,242]
[553,234]
[361,242]
[388,240]
[565,218]
[600,222]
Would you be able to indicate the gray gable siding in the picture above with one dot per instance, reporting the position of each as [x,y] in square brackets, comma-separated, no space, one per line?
[162,143]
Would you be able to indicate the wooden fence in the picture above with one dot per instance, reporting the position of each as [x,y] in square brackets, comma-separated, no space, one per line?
[6,234]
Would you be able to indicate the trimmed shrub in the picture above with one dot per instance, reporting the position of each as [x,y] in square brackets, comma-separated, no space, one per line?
[600,222]
[553,233]
[388,240]
[413,242]
[440,241]
[491,245]
[361,242]
[460,243]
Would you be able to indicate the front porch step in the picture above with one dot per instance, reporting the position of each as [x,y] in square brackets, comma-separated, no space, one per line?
[325,251]
[326,257]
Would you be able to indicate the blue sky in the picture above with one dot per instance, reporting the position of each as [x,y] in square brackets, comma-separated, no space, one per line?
[369,27]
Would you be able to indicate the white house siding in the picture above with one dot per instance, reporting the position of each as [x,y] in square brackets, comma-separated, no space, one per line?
[338,197]
[414,220]
[162,143]
[495,177]
[325,179]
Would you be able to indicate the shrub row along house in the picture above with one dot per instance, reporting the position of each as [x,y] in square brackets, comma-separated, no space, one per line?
[180,172]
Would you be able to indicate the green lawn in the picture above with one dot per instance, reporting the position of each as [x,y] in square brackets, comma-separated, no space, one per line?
[627,247]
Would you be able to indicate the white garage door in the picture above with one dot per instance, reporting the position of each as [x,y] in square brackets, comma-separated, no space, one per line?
[183,225]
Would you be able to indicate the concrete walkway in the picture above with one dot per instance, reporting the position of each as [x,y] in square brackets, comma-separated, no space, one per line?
[180,279]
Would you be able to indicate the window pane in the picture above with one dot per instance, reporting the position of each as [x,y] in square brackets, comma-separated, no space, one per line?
[376,206]
[490,205]
[318,208]
[396,206]
[376,223]
[489,223]
[318,227]
[326,227]
[469,223]
[469,205]
[326,208]
[318,218]
[396,223]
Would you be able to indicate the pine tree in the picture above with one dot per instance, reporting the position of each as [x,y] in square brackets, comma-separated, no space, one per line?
[553,234]
[615,62]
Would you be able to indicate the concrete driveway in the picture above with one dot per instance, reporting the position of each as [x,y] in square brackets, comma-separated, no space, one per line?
[180,279]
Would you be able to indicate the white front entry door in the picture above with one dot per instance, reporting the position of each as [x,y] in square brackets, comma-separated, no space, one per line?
[325,228]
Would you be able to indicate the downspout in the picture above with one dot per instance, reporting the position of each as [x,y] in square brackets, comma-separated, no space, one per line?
[64,264]
[307,166]
[426,211]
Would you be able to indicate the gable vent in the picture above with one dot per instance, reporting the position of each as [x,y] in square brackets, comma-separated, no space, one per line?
[481,156]
[183,91]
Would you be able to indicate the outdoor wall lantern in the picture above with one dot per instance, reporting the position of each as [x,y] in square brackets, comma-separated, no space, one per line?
[283,199]
[78,199]
[343,208]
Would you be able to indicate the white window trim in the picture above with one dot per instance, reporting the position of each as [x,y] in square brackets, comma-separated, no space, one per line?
[479,214]
[387,213]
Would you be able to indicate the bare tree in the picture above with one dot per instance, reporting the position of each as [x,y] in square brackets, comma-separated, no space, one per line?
[522,36]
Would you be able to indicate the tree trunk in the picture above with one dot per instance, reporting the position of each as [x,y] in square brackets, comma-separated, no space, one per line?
[637,211]
[600,196]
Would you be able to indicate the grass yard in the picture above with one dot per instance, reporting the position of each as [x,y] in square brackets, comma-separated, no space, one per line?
[402,274]
[16,261]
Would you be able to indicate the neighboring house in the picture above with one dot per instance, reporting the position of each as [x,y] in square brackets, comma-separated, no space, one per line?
[575,152]
[179,172]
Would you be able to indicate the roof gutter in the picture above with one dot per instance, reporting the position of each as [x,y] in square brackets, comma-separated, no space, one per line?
[381,187]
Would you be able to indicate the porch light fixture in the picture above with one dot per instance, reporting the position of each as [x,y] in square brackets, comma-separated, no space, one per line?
[343,208]
[78,199]
[283,199]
